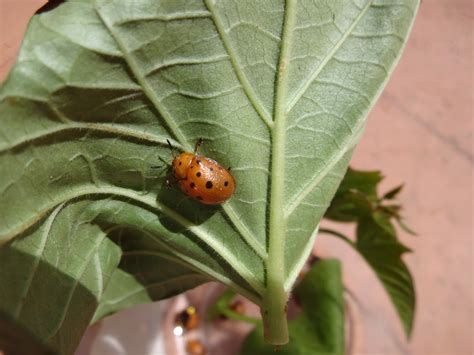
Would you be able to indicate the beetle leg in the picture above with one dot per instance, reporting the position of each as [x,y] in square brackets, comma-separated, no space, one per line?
[198,144]
[161,166]
[164,161]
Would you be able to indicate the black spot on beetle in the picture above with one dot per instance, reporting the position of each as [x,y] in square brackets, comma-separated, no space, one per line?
[179,163]
[226,183]
[192,185]
[209,185]
[198,161]
[211,169]
[198,174]
[192,166]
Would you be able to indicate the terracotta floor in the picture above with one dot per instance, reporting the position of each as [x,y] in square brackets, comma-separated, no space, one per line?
[419,133]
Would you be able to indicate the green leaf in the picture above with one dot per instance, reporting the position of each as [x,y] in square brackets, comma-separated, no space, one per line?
[365,182]
[279,92]
[14,339]
[357,201]
[403,226]
[146,273]
[52,278]
[393,193]
[319,328]
[356,196]
[383,252]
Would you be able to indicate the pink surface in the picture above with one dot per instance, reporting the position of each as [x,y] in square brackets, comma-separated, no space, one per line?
[419,133]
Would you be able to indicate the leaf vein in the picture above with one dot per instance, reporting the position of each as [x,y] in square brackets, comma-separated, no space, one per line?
[318,69]
[247,87]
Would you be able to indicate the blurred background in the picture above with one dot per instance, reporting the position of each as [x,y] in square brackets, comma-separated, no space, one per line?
[420,134]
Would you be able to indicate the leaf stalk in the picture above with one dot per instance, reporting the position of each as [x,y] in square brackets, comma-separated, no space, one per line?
[275,296]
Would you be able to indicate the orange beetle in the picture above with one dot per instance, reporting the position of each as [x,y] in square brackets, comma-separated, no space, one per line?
[202,178]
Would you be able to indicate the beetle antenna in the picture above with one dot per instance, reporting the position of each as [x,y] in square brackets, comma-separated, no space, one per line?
[171,148]
[198,144]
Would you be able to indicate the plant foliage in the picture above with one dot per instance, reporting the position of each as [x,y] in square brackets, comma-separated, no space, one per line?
[278,90]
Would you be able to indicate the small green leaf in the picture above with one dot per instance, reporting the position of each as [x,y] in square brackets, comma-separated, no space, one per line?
[403,226]
[383,221]
[393,193]
[365,182]
[356,196]
[319,328]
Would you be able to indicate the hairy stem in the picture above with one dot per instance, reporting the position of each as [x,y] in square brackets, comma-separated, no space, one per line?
[275,297]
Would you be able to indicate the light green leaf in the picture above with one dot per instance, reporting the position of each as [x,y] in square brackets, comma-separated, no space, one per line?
[279,92]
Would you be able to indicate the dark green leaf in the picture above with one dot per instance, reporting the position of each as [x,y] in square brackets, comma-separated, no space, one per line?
[356,196]
[383,252]
[349,207]
[383,221]
[16,340]
[392,193]
[363,181]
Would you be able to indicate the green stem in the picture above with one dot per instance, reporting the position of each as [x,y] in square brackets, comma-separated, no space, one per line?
[222,307]
[336,234]
[240,317]
[275,297]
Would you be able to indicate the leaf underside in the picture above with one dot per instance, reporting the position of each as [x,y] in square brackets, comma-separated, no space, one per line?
[88,228]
